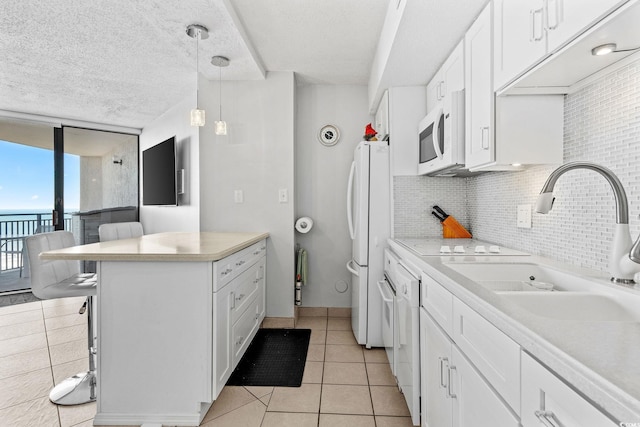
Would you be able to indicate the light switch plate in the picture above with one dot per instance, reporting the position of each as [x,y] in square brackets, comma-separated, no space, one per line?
[283,195]
[524,216]
[238,196]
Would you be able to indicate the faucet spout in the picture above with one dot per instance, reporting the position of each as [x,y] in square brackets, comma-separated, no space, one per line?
[622,205]
[624,261]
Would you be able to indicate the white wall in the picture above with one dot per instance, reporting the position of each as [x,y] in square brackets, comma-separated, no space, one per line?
[257,158]
[321,182]
[186,216]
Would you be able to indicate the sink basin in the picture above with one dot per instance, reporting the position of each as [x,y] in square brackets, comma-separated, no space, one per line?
[516,276]
[583,306]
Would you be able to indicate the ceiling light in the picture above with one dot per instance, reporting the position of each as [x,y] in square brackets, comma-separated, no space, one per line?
[220,61]
[197,32]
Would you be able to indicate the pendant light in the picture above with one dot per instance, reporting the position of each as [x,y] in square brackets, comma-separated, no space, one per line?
[197,32]
[220,61]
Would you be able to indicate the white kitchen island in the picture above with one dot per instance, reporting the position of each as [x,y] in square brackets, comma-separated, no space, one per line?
[175,313]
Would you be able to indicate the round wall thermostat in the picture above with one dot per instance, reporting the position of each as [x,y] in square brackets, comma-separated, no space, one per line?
[329,135]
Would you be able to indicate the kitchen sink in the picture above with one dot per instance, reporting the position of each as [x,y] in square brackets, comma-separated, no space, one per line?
[582,306]
[503,276]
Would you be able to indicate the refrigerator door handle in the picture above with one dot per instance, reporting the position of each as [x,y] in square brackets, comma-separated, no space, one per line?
[352,231]
[352,269]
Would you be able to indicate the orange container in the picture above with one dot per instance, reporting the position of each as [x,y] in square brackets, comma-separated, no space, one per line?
[452,229]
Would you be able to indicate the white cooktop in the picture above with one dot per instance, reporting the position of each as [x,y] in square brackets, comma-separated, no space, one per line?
[453,247]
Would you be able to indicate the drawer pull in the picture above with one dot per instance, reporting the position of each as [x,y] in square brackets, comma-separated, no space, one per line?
[449,393]
[239,263]
[239,297]
[257,252]
[256,281]
[547,418]
[239,341]
[226,271]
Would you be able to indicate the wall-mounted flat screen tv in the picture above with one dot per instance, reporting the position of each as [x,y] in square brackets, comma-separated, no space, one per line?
[159,186]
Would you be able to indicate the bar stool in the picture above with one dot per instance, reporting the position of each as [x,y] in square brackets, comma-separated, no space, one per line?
[119,230]
[60,279]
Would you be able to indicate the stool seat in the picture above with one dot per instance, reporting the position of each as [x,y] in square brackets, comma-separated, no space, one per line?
[59,279]
[78,285]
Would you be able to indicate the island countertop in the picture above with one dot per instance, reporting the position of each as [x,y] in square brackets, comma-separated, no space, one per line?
[173,246]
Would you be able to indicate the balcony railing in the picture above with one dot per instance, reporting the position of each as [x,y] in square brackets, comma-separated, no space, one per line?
[14,228]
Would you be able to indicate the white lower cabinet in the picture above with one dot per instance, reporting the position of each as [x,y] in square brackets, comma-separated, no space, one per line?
[239,308]
[548,401]
[453,392]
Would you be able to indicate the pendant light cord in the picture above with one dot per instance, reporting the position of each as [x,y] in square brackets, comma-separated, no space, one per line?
[220,91]
[197,68]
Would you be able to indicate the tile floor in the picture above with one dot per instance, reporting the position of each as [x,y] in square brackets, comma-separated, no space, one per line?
[344,384]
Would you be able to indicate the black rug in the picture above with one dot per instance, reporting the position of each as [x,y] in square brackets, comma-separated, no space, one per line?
[275,357]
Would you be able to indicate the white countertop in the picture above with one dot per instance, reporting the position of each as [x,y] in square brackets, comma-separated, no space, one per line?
[600,359]
[177,246]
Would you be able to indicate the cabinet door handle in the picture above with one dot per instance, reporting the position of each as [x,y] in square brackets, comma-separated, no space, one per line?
[442,361]
[440,91]
[233,299]
[553,14]
[547,418]
[449,392]
[485,137]
[536,24]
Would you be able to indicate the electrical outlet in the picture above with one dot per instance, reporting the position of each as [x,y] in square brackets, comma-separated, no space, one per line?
[524,216]
[283,195]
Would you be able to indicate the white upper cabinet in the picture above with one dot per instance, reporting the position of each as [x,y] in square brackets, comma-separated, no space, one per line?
[506,132]
[565,19]
[449,78]
[406,106]
[527,31]
[381,124]
[519,37]
[479,92]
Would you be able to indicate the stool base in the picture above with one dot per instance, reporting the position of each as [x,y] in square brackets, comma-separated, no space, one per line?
[75,390]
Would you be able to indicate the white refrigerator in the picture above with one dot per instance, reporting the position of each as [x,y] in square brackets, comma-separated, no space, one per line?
[368,215]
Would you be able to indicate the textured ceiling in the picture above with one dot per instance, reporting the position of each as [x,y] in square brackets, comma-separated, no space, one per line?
[118,62]
[124,63]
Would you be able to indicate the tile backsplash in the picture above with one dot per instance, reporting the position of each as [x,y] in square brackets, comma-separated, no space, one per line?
[415,195]
[601,125]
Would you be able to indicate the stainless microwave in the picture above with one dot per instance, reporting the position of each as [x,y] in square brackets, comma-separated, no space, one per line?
[441,139]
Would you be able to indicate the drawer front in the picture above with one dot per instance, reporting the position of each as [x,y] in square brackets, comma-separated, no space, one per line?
[546,398]
[244,330]
[248,284]
[438,302]
[232,266]
[495,355]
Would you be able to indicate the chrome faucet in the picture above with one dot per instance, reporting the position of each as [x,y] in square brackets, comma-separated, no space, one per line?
[624,259]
